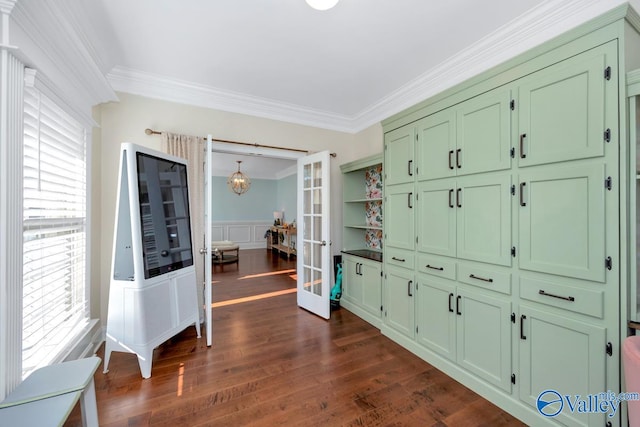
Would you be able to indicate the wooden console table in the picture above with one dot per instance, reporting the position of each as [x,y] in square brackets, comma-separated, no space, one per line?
[286,244]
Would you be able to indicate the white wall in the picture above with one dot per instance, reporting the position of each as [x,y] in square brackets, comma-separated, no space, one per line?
[126,120]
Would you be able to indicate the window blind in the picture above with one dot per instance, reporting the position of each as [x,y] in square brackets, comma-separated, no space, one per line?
[55,296]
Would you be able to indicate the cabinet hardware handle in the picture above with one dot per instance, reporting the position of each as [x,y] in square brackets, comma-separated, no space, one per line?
[409,197]
[458,312]
[451,159]
[357,268]
[409,284]
[541,292]
[450,308]
[522,202]
[410,167]
[397,259]
[435,268]
[473,276]
[458,203]
[522,336]
[451,198]
[458,151]
[522,137]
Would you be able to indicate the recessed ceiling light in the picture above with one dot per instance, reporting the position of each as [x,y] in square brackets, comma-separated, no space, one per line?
[322,4]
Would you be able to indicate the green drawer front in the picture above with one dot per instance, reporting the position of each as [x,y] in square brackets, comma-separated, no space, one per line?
[573,298]
[437,266]
[487,278]
[399,257]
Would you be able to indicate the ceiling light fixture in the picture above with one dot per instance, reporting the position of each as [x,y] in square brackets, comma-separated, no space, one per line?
[322,4]
[238,182]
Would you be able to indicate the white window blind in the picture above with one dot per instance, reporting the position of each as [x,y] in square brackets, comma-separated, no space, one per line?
[55,305]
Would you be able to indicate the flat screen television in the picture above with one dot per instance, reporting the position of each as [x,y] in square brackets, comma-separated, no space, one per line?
[164,214]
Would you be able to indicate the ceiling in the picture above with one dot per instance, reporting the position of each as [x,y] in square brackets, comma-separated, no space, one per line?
[341,69]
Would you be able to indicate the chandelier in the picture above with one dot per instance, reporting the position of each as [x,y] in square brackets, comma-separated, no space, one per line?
[322,4]
[238,182]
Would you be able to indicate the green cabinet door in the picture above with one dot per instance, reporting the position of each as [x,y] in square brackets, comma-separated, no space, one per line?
[564,355]
[435,315]
[436,145]
[483,210]
[399,309]
[370,272]
[483,330]
[436,220]
[351,280]
[562,221]
[483,133]
[398,155]
[399,208]
[563,108]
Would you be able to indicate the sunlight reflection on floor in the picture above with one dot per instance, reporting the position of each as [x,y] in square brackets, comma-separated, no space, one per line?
[253,298]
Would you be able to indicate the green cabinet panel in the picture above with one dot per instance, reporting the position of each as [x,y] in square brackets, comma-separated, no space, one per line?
[483,133]
[562,221]
[351,281]
[362,283]
[483,211]
[399,205]
[562,108]
[561,354]
[399,308]
[436,221]
[398,150]
[370,273]
[436,146]
[435,315]
[483,333]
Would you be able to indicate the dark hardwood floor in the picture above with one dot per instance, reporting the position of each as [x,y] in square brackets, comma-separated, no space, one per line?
[273,363]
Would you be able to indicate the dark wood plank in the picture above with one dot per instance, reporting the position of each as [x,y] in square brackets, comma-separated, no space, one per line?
[272,363]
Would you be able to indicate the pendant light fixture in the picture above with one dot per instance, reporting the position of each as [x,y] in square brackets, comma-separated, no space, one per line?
[238,182]
[322,4]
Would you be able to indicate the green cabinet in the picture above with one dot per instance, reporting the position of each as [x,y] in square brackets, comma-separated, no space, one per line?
[399,203]
[561,354]
[362,286]
[467,217]
[562,220]
[510,206]
[466,139]
[466,326]
[399,304]
[436,147]
[484,132]
[436,317]
[564,108]
[399,161]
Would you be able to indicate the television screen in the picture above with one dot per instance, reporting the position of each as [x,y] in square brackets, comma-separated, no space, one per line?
[164,215]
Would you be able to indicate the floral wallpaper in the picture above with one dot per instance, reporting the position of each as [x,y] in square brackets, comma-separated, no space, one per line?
[373,180]
[373,208]
[373,239]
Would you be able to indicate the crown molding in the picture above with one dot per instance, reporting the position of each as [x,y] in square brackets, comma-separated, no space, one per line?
[539,25]
[49,41]
[544,22]
[160,87]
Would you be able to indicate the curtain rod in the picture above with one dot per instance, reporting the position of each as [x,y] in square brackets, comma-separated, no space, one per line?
[154,132]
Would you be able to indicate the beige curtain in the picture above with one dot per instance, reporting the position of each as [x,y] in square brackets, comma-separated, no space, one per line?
[192,149]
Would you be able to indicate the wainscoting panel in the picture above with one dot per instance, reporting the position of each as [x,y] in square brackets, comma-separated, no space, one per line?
[247,234]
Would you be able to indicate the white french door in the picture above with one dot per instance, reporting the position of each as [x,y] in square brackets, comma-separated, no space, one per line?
[208,212]
[314,244]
